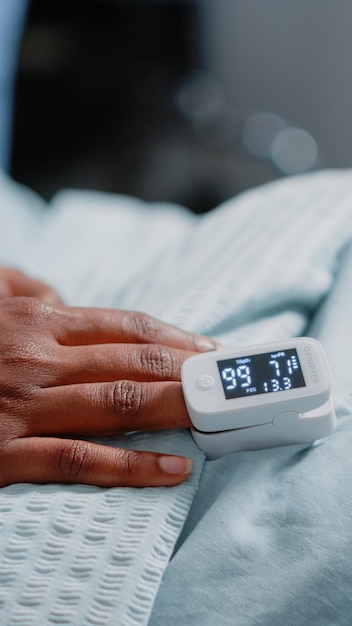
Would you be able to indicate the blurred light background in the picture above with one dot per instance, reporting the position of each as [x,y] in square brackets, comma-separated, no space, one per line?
[189,101]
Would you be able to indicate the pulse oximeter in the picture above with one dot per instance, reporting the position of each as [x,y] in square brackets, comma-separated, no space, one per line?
[259,396]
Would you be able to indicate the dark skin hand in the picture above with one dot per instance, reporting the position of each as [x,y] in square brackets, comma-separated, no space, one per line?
[69,371]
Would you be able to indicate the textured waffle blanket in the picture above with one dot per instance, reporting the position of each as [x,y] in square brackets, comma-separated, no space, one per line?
[255,538]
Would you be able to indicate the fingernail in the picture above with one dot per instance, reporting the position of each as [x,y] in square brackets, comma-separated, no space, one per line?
[207,345]
[175,465]
[51,297]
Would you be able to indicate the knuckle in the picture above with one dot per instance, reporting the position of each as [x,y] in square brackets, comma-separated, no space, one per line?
[24,318]
[157,361]
[28,307]
[143,326]
[126,399]
[32,363]
[128,462]
[75,460]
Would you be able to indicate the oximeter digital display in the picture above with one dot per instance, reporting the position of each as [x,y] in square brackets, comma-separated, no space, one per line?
[261,373]
[260,396]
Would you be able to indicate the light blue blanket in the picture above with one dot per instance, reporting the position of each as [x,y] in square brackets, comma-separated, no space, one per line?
[268,540]
[257,537]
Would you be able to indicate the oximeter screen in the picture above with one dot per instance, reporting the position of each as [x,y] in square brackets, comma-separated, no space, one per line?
[261,373]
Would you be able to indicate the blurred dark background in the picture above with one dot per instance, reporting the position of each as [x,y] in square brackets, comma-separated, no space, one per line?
[114,96]
[96,98]
[190,101]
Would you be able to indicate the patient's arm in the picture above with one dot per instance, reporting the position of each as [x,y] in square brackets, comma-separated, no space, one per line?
[76,371]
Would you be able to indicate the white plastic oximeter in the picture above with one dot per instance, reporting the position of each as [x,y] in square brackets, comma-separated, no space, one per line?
[259,396]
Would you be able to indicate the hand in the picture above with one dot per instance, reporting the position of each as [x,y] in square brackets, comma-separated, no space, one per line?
[14,283]
[90,372]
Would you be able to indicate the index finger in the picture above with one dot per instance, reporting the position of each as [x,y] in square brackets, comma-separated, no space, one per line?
[88,326]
